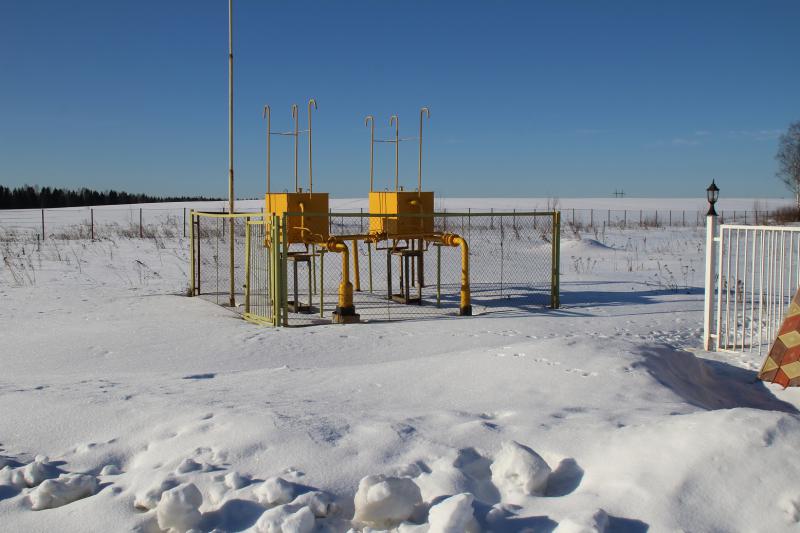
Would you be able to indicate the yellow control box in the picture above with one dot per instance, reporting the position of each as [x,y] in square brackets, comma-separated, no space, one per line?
[401,203]
[301,229]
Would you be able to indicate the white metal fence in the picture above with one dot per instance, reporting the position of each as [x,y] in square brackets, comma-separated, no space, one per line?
[754,274]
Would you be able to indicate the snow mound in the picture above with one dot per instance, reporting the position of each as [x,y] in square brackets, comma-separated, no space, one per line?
[276,491]
[234,480]
[518,469]
[29,475]
[596,523]
[12,477]
[149,498]
[110,470]
[453,515]
[188,465]
[66,489]
[385,501]
[178,510]
[286,519]
[320,503]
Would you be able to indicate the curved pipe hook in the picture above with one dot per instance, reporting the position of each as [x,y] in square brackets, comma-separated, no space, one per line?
[424,111]
[268,116]
[296,135]
[396,121]
[369,119]
[310,174]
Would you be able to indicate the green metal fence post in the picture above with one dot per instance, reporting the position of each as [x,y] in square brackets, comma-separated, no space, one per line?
[555,299]
[321,283]
[246,267]
[438,275]
[284,268]
[369,260]
[191,253]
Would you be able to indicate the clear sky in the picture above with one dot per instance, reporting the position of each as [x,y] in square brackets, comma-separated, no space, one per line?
[527,98]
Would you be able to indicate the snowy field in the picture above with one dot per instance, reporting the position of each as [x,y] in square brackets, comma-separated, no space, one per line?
[624,212]
[127,406]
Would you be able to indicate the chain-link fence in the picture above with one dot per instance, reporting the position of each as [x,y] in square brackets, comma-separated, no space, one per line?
[148,221]
[510,267]
[218,256]
[259,304]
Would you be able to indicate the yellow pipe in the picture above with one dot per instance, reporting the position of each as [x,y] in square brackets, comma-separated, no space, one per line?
[345,311]
[356,272]
[450,239]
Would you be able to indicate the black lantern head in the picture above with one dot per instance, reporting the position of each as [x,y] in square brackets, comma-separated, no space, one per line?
[712,194]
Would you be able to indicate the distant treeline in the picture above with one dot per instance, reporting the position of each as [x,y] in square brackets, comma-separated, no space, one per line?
[27,197]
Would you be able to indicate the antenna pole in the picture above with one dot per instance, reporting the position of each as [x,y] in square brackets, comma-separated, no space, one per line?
[232,300]
[230,107]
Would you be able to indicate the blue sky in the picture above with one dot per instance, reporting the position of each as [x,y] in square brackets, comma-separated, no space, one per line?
[527,98]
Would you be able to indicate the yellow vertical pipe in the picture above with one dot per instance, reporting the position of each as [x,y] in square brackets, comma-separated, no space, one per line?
[356,270]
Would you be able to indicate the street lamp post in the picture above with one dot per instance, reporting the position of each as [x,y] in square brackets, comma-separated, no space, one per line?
[712,195]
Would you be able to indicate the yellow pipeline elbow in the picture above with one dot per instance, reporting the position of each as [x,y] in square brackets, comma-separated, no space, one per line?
[451,239]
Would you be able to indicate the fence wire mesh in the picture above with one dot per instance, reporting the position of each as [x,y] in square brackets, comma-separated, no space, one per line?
[218,257]
[510,269]
[258,299]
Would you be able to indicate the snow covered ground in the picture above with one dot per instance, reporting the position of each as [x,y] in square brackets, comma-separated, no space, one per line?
[127,406]
[126,219]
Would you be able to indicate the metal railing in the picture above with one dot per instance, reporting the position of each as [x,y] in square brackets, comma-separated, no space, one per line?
[756,274]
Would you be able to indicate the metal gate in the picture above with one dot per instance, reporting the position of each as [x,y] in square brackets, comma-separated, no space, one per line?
[752,274]
[265,272]
[217,268]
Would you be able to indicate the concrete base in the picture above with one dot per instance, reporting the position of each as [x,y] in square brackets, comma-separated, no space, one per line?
[346,315]
[300,307]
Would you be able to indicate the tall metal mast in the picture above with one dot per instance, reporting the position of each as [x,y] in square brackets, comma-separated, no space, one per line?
[230,150]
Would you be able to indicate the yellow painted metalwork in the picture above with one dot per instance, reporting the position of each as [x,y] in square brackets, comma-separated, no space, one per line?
[356,270]
[246,269]
[451,239]
[395,205]
[301,228]
[345,310]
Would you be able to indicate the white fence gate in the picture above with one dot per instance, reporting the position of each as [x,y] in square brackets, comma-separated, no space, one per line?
[752,274]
